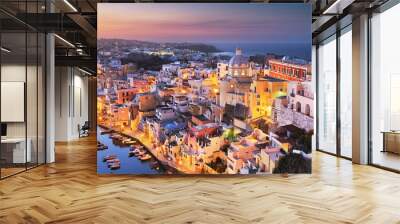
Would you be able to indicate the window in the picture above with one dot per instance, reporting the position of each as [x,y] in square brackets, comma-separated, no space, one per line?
[298,107]
[22,65]
[385,89]
[326,79]
[346,93]
[307,112]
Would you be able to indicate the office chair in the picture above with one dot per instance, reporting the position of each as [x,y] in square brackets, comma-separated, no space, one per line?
[84,130]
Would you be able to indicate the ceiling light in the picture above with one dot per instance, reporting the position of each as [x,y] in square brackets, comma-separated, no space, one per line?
[64,40]
[331,7]
[337,7]
[70,5]
[84,71]
[5,50]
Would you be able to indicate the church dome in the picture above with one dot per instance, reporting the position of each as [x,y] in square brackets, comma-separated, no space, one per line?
[239,60]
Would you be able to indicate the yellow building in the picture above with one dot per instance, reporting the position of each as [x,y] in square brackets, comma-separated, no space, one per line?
[262,93]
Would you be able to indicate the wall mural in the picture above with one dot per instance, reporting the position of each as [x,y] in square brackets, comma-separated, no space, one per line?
[204,88]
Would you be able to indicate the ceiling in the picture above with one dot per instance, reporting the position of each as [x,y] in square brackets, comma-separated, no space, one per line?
[75,21]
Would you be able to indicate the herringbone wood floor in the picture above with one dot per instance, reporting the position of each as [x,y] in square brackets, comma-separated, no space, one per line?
[70,191]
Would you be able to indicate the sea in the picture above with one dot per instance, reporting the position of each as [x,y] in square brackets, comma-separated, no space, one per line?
[298,50]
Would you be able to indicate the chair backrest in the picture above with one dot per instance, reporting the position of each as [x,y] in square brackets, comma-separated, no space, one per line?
[86,125]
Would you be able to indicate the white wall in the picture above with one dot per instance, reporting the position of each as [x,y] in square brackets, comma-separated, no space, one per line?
[12,73]
[71,102]
[33,126]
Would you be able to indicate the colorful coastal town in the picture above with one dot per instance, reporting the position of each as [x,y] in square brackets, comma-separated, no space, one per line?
[193,109]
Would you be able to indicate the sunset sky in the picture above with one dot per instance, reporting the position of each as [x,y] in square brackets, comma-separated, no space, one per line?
[207,23]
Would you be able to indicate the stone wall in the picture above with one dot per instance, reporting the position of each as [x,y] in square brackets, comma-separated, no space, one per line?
[285,116]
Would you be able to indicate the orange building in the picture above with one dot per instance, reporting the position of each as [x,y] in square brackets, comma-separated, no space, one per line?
[126,95]
[289,70]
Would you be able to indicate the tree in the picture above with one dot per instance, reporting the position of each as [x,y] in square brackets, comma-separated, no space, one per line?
[293,163]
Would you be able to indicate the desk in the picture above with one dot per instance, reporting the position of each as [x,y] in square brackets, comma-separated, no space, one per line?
[391,141]
[13,150]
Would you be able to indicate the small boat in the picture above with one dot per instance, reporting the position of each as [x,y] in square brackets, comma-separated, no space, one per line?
[115,166]
[130,142]
[131,153]
[139,153]
[145,157]
[101,146]
[135,150]
[125,139]
[113,161]
[139,147]
[109,157]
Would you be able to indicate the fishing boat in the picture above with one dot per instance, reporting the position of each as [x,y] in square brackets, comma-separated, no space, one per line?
[130,142]
[136,147]
[131,153]
[101,146]
[145,157]
[139,153]
[108,157]
[113,161]
[115,166]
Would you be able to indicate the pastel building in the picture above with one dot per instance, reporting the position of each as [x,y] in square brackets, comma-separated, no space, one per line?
[297,108]
[146,103]
[181,103]
[290,69]
[126,95]
[165,113]
[268,159]
[222,69]
[234,91]
[262,93]
[240,154]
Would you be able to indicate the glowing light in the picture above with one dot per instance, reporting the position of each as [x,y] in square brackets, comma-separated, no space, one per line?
[70,5]
[64,40]
[5,50]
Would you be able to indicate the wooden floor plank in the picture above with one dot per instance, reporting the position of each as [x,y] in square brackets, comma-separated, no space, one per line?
[70,191]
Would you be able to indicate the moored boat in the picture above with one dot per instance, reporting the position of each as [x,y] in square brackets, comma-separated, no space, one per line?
[139,153]
[115,166]
[108,157]
[130,142]
[145,157]
[113,161]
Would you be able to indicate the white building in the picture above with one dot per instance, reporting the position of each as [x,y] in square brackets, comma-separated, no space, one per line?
[222,69]
[181,103]
[165,113]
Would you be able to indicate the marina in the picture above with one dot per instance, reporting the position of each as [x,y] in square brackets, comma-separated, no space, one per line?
[121,154]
